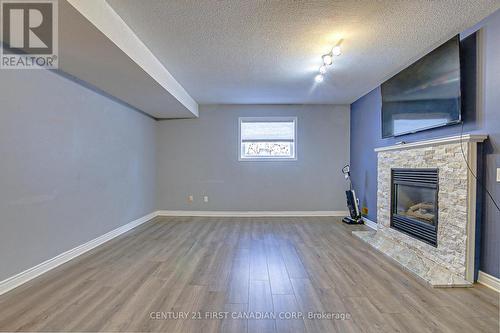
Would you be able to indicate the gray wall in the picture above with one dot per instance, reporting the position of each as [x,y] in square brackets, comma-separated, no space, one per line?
[200,157]
[73,166]
[483,119]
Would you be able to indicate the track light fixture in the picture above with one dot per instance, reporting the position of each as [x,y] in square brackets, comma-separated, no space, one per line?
[328,61]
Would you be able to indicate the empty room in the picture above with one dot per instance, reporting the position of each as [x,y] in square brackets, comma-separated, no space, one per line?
[249,166]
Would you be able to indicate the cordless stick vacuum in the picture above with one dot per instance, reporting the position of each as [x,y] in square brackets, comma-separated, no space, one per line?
[352,201]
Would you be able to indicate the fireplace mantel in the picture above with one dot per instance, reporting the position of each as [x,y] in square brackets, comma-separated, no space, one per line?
[452,263]
[434,142]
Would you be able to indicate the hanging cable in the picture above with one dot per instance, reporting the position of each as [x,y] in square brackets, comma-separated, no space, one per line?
[470,169]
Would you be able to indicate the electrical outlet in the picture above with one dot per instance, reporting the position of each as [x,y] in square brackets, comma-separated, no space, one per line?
[205,198]
[498,175]
[190,198]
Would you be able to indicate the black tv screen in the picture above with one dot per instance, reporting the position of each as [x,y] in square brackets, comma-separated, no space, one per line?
[424,95]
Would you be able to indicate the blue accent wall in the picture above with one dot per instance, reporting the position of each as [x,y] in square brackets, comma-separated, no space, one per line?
[481,114]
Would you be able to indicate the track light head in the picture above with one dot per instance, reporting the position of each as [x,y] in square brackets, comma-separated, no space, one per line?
[327,59]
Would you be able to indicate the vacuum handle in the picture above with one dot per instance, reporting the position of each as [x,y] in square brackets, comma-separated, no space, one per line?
[346,169]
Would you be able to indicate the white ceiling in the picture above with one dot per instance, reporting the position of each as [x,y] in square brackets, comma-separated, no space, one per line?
[239,51]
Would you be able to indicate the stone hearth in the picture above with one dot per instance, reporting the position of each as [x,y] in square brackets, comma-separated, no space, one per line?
[452,262]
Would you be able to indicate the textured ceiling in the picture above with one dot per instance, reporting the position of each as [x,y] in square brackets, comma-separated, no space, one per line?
[269,51]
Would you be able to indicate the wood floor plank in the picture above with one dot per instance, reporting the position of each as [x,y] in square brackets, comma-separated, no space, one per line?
[294,266]
[258,261]
[260,298]
[278,274]
[239,281]
[234,322]
[311,258]
[287,310]
[261,304]
[333,303]
[309,302]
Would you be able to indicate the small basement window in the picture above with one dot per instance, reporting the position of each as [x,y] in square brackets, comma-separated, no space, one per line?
[268,138]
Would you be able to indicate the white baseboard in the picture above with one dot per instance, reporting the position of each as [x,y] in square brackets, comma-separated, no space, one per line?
[250,213]
[489,281]
[370,223]
[33,272]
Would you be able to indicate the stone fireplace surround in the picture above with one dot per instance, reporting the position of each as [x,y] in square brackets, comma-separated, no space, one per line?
[451,263]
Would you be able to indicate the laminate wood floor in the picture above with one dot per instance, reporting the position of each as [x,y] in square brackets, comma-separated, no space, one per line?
[248,270]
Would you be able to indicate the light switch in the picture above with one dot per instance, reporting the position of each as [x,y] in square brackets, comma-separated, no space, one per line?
[498,174]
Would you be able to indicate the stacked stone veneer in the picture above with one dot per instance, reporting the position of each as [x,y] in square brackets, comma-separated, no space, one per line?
[452,201]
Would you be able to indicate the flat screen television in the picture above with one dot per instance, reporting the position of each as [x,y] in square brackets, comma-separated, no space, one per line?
[425,95]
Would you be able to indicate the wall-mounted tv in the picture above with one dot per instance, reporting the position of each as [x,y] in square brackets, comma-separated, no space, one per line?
[425,95]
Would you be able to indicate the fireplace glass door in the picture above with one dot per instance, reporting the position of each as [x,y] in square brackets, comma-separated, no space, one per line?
[414,203]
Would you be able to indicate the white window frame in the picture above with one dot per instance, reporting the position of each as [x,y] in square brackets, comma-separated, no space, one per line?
[267,158]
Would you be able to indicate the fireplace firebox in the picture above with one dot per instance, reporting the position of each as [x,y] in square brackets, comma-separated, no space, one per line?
[414,203]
